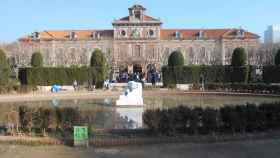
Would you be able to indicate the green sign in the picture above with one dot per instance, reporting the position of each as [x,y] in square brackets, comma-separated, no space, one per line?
[80,135]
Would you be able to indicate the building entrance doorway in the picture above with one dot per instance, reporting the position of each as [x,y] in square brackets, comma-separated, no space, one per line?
[137,68]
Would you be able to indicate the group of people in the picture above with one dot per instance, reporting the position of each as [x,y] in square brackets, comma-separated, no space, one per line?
[152,77]
[124,77]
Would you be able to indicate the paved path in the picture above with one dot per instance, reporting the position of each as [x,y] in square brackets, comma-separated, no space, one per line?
[244,149]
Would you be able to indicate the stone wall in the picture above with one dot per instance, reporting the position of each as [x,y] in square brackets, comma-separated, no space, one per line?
[121,53]
[251,47]
[63,53]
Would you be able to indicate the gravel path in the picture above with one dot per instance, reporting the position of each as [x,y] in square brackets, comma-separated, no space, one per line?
[243,149]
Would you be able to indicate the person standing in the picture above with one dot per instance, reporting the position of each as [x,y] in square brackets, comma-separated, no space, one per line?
[158,77]
[75,85]
[153,75]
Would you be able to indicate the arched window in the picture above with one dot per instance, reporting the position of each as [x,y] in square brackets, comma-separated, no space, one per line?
[137,14]
[46,56]
[154,53]
[191,56]
[251,56]
[123,33]
[123,51]
[151,33]
[137,51]
[228,56]
[72,56]
[203,53]
[84,56]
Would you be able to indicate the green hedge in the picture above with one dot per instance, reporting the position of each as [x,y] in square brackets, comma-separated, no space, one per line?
[271,74]
[42,118]
[191,74]
[242,87]
[4,76]
[46,76]
[176,58]
[228,119]
[4,68]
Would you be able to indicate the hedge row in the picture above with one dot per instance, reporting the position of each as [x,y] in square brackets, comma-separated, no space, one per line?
[46,76]
[219,74]
[192,74]
[41,118]
[271,74]
[228,119]
[4,76]
[54,120]
[251,87]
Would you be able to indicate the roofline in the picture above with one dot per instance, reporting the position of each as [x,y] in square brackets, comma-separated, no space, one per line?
[142,22]
[192,29]
[76,30]
[203,29]
[253,35]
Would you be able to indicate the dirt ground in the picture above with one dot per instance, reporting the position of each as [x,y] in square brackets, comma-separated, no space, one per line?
[97,94]
[242,149]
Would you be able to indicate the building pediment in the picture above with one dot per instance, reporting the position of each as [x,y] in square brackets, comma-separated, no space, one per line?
[128,20]
[136,16]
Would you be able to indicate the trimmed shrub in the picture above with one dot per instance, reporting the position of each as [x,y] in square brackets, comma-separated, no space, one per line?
[237,74]
[176,59]
[211,74]
[3,60]
[168,78]
[238,57]
[215,73]
[4,68]
[97,59]
[277,58]
[271,74]
[99,65]
[41,119]
[227,119]
[44,76]
[37,59]
[242,87]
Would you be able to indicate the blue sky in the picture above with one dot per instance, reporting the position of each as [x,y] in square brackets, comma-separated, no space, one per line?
[20,17]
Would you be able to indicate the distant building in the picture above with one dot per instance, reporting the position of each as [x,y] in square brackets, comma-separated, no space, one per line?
[137,43]
[272,34]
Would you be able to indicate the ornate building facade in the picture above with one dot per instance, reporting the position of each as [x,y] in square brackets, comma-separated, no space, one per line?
[137,43]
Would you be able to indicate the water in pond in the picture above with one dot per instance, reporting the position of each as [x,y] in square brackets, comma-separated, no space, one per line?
[102,114]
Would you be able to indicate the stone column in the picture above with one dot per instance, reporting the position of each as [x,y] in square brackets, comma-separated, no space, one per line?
[223,53]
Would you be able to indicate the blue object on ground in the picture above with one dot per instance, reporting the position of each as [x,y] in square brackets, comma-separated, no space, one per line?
[55,88]
[126,92]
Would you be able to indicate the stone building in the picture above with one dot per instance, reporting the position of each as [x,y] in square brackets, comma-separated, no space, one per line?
[137,43]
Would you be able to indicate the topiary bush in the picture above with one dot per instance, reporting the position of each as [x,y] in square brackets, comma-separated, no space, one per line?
[37,59]
[176,59]
[47,76]
[277,58]
[237,74]
[271,74]
[99,65]
[238,57]
[4,68]
[97,59]
[212,74]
